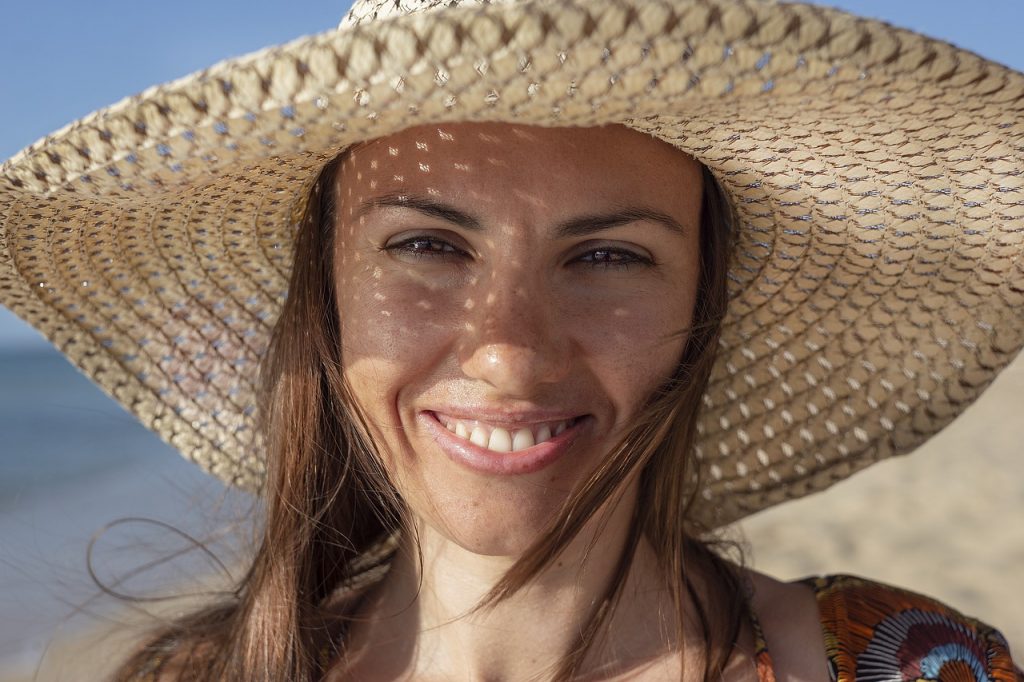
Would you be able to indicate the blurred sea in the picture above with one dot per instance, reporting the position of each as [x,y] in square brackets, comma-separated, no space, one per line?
[57,427]
[74,464]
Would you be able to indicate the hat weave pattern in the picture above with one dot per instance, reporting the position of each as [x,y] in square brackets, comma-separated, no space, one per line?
[875,287]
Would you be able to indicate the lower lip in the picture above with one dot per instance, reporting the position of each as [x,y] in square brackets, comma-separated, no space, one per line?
[485,461]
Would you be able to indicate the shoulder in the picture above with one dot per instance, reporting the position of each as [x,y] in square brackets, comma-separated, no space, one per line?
[791,627]
[884,632]
[843,628]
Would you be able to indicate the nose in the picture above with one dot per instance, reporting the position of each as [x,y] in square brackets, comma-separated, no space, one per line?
[515,339]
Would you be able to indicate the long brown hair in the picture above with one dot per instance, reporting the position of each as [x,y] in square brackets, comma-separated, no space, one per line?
[330,507]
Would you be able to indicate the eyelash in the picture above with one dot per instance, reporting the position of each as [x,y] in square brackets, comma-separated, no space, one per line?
[405,247]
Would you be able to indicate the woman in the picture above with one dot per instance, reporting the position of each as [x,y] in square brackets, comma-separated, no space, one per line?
[457,284]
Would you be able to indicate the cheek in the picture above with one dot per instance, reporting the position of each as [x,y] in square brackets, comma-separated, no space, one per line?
[391,336]
[395,339]
[635,345]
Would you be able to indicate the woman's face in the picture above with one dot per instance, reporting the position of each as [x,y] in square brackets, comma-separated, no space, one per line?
[509,298]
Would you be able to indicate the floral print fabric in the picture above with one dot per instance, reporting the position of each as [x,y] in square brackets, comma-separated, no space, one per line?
[877,633]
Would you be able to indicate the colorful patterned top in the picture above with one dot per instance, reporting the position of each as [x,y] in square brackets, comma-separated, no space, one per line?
[877,633]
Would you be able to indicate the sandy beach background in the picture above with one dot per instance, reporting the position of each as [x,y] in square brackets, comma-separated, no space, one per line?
[947,520]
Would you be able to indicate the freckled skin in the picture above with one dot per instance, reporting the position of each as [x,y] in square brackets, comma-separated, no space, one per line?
[511,316]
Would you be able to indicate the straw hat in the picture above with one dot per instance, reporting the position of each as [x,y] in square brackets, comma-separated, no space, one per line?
[877,283]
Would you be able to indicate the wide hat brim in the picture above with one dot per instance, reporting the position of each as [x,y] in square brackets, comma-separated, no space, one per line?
[876,282]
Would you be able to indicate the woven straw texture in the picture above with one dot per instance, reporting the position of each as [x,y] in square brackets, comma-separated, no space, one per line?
[876,285]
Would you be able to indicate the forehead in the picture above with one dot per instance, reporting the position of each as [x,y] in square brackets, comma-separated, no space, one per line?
[531,168]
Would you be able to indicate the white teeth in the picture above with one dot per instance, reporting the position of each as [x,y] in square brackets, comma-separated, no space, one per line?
[500,440]
[522,440]
[479,437]
[543,433]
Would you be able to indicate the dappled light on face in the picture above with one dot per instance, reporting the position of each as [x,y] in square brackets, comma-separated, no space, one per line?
[497,262]
[523,134]
[456,289]
[529,198]
[366,273]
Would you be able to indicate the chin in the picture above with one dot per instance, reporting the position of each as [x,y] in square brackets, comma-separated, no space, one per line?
[494,520]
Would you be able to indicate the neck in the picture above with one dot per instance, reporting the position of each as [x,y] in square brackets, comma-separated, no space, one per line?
[424,621]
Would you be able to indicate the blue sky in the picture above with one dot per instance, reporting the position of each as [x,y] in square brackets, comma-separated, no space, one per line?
[64,58]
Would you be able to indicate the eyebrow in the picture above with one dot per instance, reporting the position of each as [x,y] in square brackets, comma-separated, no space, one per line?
[574,227]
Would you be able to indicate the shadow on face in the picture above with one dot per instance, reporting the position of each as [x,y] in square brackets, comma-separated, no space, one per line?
[494,280]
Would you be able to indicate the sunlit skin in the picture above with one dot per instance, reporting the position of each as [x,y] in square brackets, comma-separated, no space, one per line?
[510,317]
[462,289]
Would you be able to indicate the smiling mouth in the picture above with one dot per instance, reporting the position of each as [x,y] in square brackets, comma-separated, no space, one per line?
[504,439]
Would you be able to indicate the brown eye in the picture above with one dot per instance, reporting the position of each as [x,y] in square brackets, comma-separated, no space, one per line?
[424,247]
[607,257]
